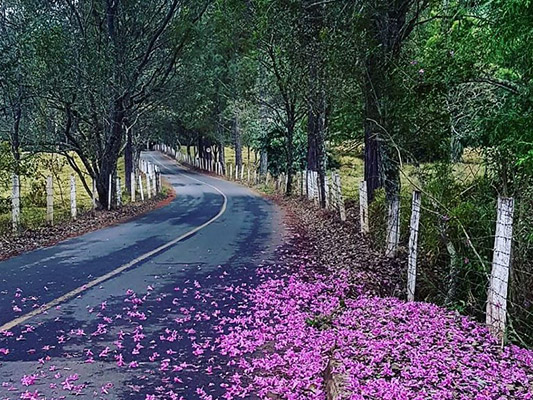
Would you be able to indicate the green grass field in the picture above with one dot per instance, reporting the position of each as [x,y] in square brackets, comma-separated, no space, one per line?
[33,192]
[352,172]
[352,169]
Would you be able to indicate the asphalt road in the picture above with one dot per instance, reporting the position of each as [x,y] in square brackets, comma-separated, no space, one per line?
[152,328]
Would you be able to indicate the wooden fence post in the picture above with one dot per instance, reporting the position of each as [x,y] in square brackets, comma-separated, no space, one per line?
[501,262]
[94,195]
[330,190]
[363,208]
[73,206]
[339,199]
[413,245]
[154,180]
[132,187]
[119,192]
[49,200]
[148,186]
[15,203]
[393,227]
[109,190]
[141,187]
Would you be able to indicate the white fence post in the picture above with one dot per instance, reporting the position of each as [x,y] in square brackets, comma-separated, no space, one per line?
[109,190]
[49,200]
[132,187]
[73,206]
[94,195]
[148,186]
[15,203]
[154,180]
[393,227]
[363,208]
[119,192]
[413,245]
[501,262]
[141,187]
[339,199]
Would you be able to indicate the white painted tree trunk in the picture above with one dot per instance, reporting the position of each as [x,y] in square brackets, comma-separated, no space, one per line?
[393,227]
[49,200]
[413,245]
[501,263]
[15,203]
[363,208]
[73,206]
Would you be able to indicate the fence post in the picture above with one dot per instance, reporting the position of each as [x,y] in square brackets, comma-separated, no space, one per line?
[94,195]
[141,187]
[315,187]
[119,192]
[242,171]
[413,245]
[154,180]
[393,227]
[49,200]
[73,207]
[330,190]
[148,186]
[15,203]
[363,208]
[132,187]
[340,200]
[501,262]
[109,190]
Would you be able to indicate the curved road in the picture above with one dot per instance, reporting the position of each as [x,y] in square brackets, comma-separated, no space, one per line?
[207,241]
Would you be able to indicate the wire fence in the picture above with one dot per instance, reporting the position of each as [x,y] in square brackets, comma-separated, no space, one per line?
[466,247]
[49,198]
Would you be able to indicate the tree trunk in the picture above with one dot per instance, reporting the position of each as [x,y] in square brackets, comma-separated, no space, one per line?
[316,121]
[388,29]
[263,162]
[128,156]
[290,153]
[236,136]
[371,117]
[108,161]
[15,133]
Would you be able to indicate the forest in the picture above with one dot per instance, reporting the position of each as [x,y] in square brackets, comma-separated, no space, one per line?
[432,95]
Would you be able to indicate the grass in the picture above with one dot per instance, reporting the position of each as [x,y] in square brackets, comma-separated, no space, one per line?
[33,192]
[351,172]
